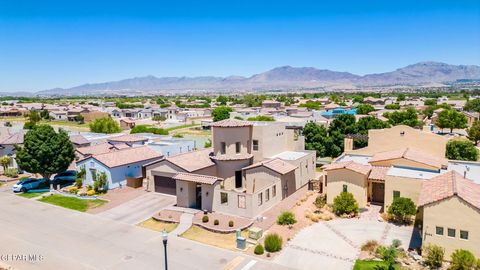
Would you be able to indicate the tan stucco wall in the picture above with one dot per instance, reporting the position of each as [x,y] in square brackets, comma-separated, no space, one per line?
[226,170]
[408,187]
[305,170]
[456,214]
[272,140]
[259,178]
[381,140]
[186,194]
[356,182]
[404,163]
[230,136]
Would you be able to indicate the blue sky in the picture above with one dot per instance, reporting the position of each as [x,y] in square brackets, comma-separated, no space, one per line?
[47,44]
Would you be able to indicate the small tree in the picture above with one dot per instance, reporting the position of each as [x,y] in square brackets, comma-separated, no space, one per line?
[100,182]
[451,119]
[433,256]
[45,151]
[159,118]
[80,119]
[461,150]
[402,209]
[208,143]
[474,132]
[221,113]
[345,203]
[462,260]
[286,218]
[5,161]
[365,108]
[105,125]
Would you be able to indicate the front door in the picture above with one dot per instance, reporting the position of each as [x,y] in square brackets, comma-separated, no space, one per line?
[378,192]
[199,196]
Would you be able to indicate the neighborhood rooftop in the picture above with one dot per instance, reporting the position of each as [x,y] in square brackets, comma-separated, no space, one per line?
[127,156]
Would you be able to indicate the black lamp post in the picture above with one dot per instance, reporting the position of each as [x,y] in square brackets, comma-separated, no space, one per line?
[165,239]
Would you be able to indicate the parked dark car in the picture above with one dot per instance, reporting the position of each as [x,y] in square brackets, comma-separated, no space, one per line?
[29,184]
[64,179]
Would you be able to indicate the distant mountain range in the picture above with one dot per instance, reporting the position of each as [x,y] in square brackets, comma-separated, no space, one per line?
[280,78]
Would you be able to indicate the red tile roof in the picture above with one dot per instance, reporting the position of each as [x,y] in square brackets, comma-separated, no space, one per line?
[231,123]
[197,178]
[447,185]
[410,154]
[349,165]
[276,165]
[378,173]
[101,148]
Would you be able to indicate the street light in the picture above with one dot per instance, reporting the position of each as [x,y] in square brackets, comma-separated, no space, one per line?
[165,239]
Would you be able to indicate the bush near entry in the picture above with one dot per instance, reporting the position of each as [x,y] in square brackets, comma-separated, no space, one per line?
[345,203]
[273,242]
[402,209]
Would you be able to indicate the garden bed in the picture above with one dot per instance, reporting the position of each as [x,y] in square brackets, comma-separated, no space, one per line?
[223,222]
[169,216]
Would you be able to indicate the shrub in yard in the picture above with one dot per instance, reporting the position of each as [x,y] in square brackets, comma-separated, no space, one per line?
[73,190]
[258,249]
[320,201]
[388,255]
[79,182]
[396,243]
[402,209]
[286,218]
[433,256]
[345,203]
[11,172]
[205,219]
[230,223]
[91,192]
[273,242]
[216,222]
[462,259]
[370,246]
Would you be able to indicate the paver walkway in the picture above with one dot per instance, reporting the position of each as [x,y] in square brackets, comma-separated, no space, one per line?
[336,244]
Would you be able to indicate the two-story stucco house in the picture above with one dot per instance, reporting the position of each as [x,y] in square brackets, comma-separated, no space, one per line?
[251,167]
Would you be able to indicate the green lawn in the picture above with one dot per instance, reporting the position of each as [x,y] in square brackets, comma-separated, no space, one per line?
[373,265]
[182,126]
[31,194]
[72,202]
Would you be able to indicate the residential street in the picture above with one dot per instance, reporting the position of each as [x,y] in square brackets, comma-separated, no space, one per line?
[67,239]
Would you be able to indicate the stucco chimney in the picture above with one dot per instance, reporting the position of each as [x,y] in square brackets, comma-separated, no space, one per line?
[347,144]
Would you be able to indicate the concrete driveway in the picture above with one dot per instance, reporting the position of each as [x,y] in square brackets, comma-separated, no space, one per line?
[140,208]
[336,244]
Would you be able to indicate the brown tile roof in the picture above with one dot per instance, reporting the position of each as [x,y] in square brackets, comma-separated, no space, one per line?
[127,156]
[410,154]
[16,138]
[447,185]
[378,173]
[349,165]
[128,138]
[197,178]
[331,106]
[231,123]
[78,139]
[98,149]
[276,165]
[232,157]
[193,161]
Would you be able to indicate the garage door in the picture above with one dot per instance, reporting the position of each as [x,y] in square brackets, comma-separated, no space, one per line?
[166,185]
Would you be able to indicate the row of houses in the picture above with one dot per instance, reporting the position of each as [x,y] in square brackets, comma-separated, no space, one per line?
[405,162]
